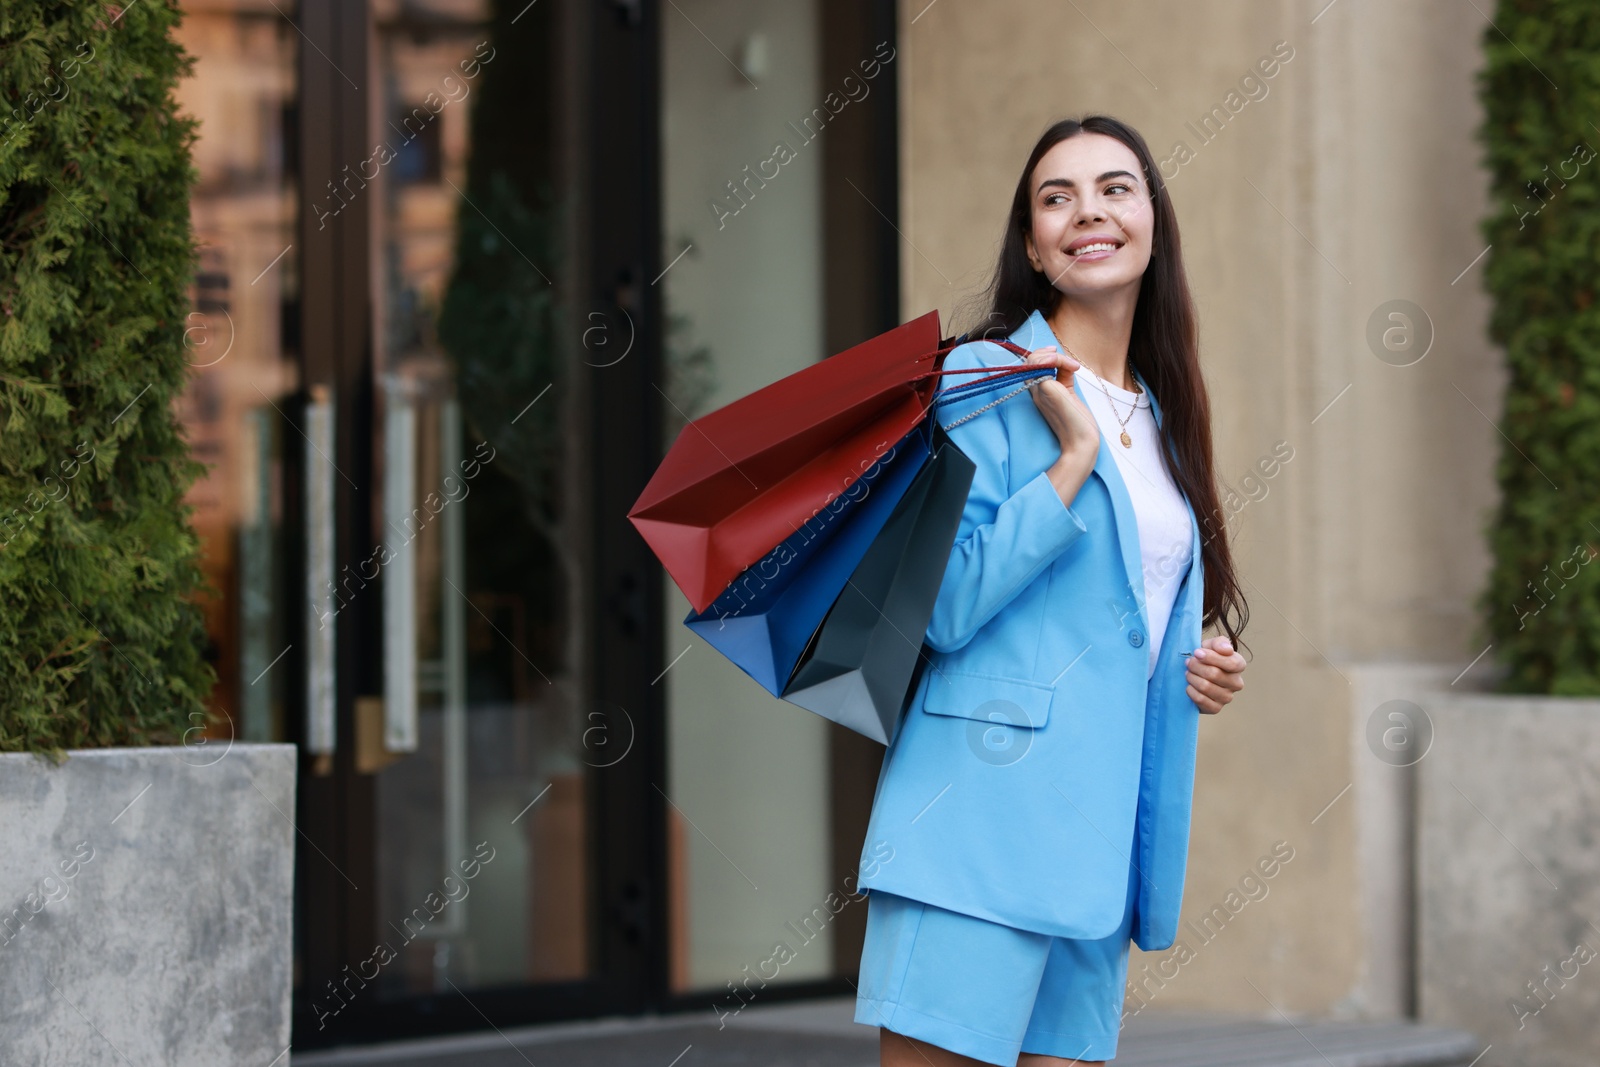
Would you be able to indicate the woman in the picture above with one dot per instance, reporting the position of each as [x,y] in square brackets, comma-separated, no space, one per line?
[1032,815]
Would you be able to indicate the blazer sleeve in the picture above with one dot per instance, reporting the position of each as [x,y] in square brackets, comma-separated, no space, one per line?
[1005,540]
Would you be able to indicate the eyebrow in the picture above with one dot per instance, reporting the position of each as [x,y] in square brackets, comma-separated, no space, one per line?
[1068,183]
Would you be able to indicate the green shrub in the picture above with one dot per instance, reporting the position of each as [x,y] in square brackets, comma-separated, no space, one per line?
[1541,96]
[101,641]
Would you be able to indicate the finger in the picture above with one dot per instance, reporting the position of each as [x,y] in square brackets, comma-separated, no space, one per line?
[1233,665]
[1219,693]
[1063,370]
[1207,704]
[1208,654]
[1051,356]
[1218,675]
[1226,681]
[1204,703]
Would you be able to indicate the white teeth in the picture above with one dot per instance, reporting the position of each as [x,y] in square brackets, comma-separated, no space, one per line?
[1104,246]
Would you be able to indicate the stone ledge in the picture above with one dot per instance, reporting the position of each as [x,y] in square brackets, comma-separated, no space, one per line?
[1508,874]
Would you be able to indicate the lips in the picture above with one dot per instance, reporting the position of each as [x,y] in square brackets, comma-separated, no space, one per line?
[1093,243]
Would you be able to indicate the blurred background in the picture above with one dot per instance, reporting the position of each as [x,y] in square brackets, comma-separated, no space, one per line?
[467,266]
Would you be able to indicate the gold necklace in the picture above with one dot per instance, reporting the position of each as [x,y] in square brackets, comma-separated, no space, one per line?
[1127,441]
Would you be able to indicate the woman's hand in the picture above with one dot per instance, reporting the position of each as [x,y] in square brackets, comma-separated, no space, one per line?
[1068,417]
[1215,673]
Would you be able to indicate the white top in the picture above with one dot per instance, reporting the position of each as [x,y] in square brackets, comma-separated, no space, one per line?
[1165,532]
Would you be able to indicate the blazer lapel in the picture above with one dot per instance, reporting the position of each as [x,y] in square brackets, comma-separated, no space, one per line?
[1105,465]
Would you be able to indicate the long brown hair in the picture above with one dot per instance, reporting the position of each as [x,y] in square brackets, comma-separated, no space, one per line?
[1164,348]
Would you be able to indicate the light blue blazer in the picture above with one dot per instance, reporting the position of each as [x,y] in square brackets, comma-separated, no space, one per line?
[1038,765]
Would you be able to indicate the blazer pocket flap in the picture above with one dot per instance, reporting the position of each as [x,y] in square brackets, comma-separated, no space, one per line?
[990,698]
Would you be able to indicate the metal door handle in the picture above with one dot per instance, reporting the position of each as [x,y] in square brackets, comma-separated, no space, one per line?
[320,599]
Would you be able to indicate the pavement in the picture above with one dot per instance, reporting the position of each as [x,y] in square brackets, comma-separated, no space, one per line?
[822,1033]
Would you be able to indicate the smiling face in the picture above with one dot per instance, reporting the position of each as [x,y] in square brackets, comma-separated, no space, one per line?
[1092,218]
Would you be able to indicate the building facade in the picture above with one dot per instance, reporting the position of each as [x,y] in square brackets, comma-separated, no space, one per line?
[467,266]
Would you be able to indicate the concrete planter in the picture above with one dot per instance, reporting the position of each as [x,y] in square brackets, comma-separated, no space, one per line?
[1508,879]
[145,906]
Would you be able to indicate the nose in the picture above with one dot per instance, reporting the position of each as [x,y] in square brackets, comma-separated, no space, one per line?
[1090,211]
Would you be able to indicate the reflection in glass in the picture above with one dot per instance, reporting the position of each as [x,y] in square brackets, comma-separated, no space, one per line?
[748,774]
[481,492]
[241,339]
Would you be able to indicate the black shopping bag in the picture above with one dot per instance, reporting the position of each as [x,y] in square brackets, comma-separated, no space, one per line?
[860,663]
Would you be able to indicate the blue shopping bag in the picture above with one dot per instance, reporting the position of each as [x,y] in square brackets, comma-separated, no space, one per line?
[763,621]
[858,669]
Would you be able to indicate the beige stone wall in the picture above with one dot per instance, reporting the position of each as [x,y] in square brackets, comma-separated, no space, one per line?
[1353,181]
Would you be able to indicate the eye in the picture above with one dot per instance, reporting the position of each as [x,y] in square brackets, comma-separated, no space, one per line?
[1052,199]
[1119,185]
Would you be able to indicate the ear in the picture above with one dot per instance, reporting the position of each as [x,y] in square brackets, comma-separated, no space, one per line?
[1033,255]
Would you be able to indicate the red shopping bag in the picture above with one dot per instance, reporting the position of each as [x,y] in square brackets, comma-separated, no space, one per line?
[740,480]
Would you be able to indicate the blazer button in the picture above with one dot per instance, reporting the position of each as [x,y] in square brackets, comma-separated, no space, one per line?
[1135,638]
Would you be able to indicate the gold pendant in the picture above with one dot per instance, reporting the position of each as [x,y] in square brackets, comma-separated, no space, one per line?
[1127,442]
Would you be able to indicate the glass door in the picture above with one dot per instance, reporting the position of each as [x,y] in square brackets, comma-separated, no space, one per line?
[745,296]
[777,130]
[480,742]
[474,796]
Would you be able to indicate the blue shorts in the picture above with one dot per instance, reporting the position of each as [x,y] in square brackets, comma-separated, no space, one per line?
[987,990]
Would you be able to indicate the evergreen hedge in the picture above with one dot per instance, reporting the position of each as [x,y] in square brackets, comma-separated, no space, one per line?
[1541,97]
[101,641]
